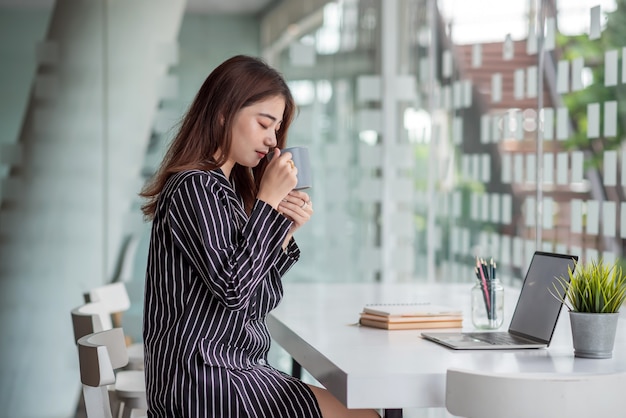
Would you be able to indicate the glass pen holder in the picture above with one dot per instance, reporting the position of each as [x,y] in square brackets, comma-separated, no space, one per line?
[488,304]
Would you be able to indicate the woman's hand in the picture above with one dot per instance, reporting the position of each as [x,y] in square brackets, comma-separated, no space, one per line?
[297,207]
[278,180]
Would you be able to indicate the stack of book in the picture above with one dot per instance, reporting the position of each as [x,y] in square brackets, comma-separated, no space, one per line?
[410,316]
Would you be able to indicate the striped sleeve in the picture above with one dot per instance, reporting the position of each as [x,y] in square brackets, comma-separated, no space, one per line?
[231,260]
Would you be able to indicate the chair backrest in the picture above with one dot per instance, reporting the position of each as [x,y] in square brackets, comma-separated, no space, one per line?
[99,355]
[114,296]
[89,318]
[474,394]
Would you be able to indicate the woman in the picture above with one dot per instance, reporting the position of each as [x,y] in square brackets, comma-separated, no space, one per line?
[222,237]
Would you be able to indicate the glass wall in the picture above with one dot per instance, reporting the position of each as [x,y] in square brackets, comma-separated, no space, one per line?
[446,130]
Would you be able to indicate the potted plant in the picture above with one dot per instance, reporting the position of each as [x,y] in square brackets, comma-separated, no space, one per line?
[594,293]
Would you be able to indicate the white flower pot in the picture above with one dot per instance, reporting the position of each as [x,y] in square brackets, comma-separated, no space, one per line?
[593,334]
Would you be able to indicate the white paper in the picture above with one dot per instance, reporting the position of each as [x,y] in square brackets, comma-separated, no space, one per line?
[531,90]
[610,119]
[593,120]
[547,115]
[595,23]
[608,219]
[577,166]
[610,68]
[562,77]
[496,87]
[610,168]
[548,213]
[577,73]
[548,168]
[561,168]
[593,216]
[562,123]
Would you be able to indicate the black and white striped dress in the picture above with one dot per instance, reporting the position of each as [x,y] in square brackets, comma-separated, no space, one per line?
[213,275]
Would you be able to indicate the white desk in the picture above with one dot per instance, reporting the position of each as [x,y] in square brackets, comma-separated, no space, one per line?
[373,368]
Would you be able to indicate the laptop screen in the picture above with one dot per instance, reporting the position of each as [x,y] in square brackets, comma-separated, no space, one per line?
[537,309]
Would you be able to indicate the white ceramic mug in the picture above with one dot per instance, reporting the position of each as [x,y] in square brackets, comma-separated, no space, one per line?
[300,158]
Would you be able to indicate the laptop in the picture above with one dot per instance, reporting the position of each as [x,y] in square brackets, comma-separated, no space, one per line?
[535,316]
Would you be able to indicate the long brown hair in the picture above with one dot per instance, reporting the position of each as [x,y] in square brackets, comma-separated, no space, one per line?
[206,129]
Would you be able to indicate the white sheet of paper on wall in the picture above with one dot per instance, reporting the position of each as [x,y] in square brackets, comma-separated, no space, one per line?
[576,216]
[505,170]
[368,88]
[593,120]
[532,45]
[577,73]
[595,27]
[548,213]
[577,166]
[519,125]
[531,168]
[530,208]
[609,162]
[561,168]
[496,87]
[550,39]
[610,67]
[507,209]
[548,168]
[474,206]
[610,119]
[477,55]
[562,123]
[608,219]
[593,217]
[508,50]
[467,93]
[562,77]
[486,168]
[518,83]
[531,90]
[547,118]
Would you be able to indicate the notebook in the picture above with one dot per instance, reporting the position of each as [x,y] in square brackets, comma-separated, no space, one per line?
[535,316]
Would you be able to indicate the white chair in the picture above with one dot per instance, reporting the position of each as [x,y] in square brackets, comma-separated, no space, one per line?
[473,394]
[114,300]
[100,355]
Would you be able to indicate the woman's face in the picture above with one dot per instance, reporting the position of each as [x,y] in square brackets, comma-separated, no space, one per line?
[254,132]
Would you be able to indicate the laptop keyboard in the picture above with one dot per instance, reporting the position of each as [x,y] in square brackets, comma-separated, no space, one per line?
[498,338]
